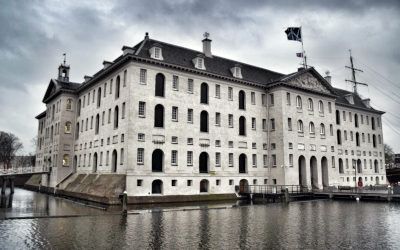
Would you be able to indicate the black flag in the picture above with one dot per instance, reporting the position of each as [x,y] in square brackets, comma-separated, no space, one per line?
[293,33]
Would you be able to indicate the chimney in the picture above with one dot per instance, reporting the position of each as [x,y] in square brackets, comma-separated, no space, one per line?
[327,77]
[127,50]
[300,69]
[106,64]
[207,45]
[87,78]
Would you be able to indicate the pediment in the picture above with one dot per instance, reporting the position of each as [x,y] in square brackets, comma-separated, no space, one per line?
[51,90]
[310,80]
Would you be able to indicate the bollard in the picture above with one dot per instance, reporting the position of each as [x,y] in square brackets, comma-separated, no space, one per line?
[125,202]
[287,197]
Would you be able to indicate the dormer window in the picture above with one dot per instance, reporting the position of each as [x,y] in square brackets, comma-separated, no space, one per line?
[199,62]
[350,98]
[237,72]
[156,52]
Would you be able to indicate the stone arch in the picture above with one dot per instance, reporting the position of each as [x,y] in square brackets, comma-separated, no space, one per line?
[314,172]
[94,162]
[302,171]
[204,186]
[325,171]
[114,160]
[157,187]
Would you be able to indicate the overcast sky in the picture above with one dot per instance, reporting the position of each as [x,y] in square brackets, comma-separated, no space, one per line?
[35,34]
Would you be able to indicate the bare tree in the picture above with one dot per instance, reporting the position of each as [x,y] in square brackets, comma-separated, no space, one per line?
[9,146]
[388,154]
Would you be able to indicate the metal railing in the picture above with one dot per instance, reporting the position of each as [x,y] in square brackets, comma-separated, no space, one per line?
[23,170]
[272,189]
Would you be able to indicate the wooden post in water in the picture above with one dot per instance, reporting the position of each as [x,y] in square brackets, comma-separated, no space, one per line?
[125,202]
[287,196]
[389,198]
[11,180]
[4,185]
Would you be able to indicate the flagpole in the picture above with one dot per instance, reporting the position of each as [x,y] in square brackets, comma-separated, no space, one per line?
[302,48]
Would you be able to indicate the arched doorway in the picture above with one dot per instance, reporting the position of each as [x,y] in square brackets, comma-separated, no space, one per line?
[157,187]
[359,166]
[94,162]
[203,163]
[314,172]
[377,180]
[114,161]
[324,171]
[157,160]
[204,186]
[302,171]
[242,164]
[243,186]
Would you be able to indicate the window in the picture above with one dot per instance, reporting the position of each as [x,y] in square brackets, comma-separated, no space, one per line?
[160,83]
[322,129]
[123,111]
[337,117]
[272,124]
[140,155]
[157,53]
[97,124]
[290,145]
[230,160]
[242,100]
[253,123]
[98,97]
[310,104]
[174,157]
[230,94]
[218,159]
[299,103]
[217,91]
[175,114]
[217,143]
[290,160]
[230,120]
[189,183]
[312,128]
[116,119]
[190,141]
[174,140]
[204,93]
[65,160]
[254,145]
[139,182]
[159,116]
[339,137]
[217,119]
[175,82]
[69,104]
[263,99]
[254,160]
[289,121]
[189,159]
[204,121]
[265,161]
[271,99]
[117,87]
[253,98]
[357,139]
[143,76]
[190,116]
[141,137]
[231,182]
[264,124]
[68,128]
[273,160]
[356,120]
[142,109]
[242,125]
[321,107]
[288,102]
[344,115]
[300,127]
[190,86]
[329,107]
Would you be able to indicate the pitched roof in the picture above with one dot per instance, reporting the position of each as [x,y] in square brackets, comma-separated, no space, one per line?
[358,103]
[56,86]
[180,56]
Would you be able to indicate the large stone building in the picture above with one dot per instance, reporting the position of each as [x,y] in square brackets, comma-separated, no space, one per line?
[174,121]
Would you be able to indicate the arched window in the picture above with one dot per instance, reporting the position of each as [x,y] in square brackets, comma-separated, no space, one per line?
[204,93]
[379,139]
[341,170]
[321,107]
[374,141]
[312,128]
[357,139]
[299,103]
[242,100]
[376,167]
[157,161]
[160,85]
[322,129]
[68,128]
[157,187]
[203,121]
[310,104]
[204,186]
[116,117]
[331,129]
[69,104]
[117,87]
[66,160]
[97,124]
[242,164]
[300,127]
[337,117]
[94,162]
[79,107]
[339,137]
[204,163]
[373,123]
[114,161]
[98,97]
[242,125]
[77,131]
[159,116]
[356,120]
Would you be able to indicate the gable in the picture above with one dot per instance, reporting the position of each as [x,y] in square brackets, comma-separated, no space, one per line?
[51,90]
[310,80]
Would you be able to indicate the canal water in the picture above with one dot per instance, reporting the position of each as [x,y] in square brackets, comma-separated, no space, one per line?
[321,224]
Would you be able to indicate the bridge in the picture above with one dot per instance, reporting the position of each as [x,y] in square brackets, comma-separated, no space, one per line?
[10,173]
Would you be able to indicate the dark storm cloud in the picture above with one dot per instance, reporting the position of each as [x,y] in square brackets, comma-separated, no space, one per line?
[34,34]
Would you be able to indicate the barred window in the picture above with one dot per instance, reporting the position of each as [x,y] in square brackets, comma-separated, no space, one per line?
[290,160]
[218,159]
[140,155]
[253,123]
[265,161]
[175,114]
[142,109]
[141,137]
[254,160]
[217,119]
[230,160]
[175,82]
[253,98]
[190,116]
[190,85]
[230,93]
[174,157]
[217,91]
[189,159]
[143,76]
[230,120]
